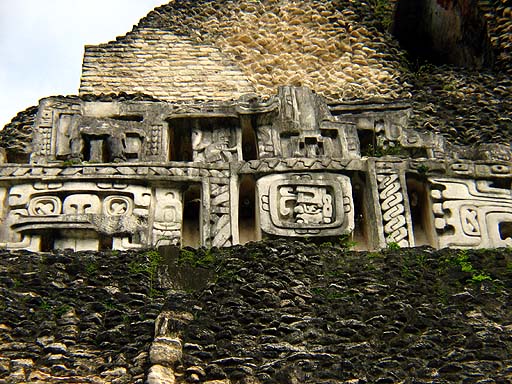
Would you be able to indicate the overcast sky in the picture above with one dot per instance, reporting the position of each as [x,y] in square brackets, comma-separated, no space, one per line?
[42,43]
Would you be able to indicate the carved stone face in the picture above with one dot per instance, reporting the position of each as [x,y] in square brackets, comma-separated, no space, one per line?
[309,204]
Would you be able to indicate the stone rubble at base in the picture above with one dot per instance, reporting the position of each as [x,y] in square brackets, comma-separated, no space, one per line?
[132,174]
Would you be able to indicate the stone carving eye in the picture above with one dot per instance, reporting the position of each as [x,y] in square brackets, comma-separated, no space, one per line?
[118,205]
[43,206]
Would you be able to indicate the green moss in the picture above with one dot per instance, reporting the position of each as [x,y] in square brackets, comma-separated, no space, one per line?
[203,257]
[148,265]
[422,169]
[346,242]
[91,268]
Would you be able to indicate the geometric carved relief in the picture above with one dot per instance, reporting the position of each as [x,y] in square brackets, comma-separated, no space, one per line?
[74,214]
[167,158]
[391,200]
[471,213]
[306,204]
[220,216]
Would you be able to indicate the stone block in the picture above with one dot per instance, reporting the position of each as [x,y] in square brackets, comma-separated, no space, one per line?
[159,374]
[165,351]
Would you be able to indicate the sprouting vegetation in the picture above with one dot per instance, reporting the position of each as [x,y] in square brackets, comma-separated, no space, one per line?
[203,257]
[148,266]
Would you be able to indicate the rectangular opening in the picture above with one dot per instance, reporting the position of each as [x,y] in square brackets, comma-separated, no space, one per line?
[95,149]
[367,142]
[105,242]
[137,118]
[249,141]
[17,157]
[247,224]
[361,234]
[47,240]
[191,223]
[421,212]
[180,140]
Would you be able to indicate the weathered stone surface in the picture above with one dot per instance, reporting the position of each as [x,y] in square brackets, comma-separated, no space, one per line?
[444,31]
[415,314]
[274,311]
[159,374]
[165,351]
[60,324]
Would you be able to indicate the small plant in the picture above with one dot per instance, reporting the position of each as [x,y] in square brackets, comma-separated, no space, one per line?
[450,86]
[424,68]
[329,294]
[421,259]
[422,169]
[393,149]
[346,242]
[373,255]
[70,162]
[148,266]
[393,246]
[91,268]
[461,259]
[44,305]
[61,310]
[154,292]
[203,257]
[227,275]
[383,10]
[186,257]
[317,291]
[109,306]
[478,278]
[406,272]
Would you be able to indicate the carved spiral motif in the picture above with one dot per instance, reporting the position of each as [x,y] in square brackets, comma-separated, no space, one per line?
[118,205]
[391,197]
[45,205]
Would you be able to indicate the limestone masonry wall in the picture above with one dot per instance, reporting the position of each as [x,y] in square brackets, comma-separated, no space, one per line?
[319,44]
[164,65]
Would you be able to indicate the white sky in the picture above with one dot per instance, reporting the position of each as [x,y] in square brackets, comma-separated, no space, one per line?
[42,44]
